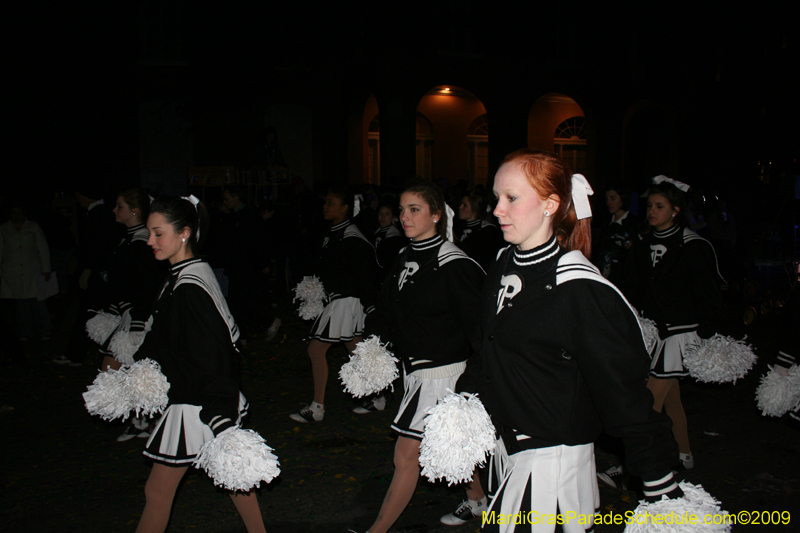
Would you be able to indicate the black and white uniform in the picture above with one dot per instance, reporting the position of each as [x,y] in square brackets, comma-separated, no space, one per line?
[192,338]
[388,242]
[347,269]
[617,240]
[481,240]
[134,276]
[563,359]
[673,279]
[428,310]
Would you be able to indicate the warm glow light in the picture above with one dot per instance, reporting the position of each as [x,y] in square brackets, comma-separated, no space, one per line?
[447,88]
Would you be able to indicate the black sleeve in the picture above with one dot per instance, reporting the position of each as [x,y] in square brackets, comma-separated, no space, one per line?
[208,351]
[614,364]
[701,263]
[362,269]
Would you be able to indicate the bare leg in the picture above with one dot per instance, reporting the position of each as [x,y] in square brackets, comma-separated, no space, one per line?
[247,505]
[317,351]
[474,489]
[667,397]
[674,409]
[159,492]
[404,483]
[110,362]
[352,344]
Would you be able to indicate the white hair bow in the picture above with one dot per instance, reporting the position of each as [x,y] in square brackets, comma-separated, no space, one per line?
[194,200]
[581,190]
[660,178]
[450,215]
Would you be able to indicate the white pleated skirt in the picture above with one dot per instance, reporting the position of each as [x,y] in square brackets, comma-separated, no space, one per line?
[179,434]
[667,355]
[422,390]
[539,483]
[340,321]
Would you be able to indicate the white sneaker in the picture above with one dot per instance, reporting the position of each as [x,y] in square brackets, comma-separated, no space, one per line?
[687,460]
[273,329]
[309,413]
[466,511]
[377,403]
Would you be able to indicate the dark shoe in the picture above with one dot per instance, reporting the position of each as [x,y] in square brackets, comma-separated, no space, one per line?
[377,403]
[466,511]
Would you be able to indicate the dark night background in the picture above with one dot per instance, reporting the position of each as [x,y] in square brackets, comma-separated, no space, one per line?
[703,93]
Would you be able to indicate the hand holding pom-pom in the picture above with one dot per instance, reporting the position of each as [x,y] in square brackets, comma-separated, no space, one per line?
[311,294]
[719,359]
[649,332]
[124,344]
[779,391]
[238,459]
[371,368]
[147,387]
[141,388]
[101,326]
[674,512]
[106,396]
[458,435]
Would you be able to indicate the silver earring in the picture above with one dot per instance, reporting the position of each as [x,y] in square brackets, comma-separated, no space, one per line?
[435,220]
[184,240]
[547,213]
[673,215]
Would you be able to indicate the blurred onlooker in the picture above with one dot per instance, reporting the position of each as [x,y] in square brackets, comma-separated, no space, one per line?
[24,258]
[98,236]
[618,235]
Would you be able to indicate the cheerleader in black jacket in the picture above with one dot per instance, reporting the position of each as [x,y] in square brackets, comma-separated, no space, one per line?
[428,310]
[388,239]
[133,278]
[347,268]
[481,240]
[192,338]
[563,354]
[672,278]
[134,274]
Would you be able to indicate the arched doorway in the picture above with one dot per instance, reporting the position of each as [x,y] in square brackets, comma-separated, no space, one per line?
[457,145]
[556,123]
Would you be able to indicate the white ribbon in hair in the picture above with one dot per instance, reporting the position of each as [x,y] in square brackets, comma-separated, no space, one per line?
[450,215]
[660,178]
[194,200]
[357,199]
[581,190]
[151,198]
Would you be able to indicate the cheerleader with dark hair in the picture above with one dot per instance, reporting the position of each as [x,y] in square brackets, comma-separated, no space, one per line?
[673,279]
[563,355]
[133,278]
[388,239]
[346,267]
[481,239]
[428,310]
[618,236]
[193,338]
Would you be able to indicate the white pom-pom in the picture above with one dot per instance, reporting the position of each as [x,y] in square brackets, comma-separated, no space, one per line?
[371,368]
[101,326]
[458,435]
[779,391]
[676,514]
[106,396]
[238,459]
[649,332]
[147,387]
[311,294]
[124,344]
[719,359]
